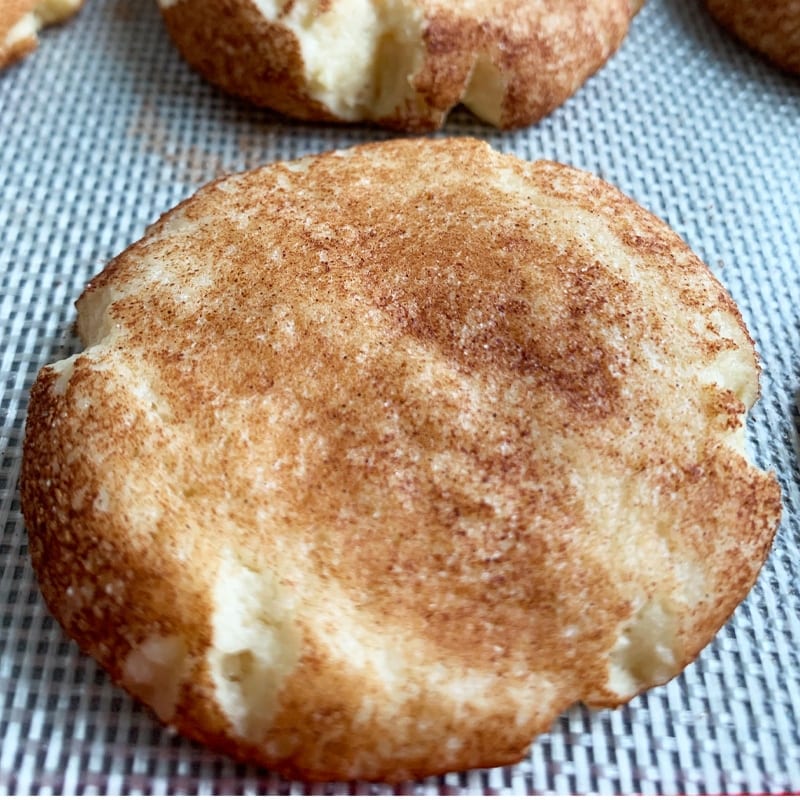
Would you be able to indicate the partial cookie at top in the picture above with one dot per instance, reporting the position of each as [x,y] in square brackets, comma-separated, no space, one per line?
[21,21]
[403,64]
[772,27]
[376,461]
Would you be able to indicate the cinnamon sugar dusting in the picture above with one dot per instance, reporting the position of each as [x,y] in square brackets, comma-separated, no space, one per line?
[444,397]
[427,382]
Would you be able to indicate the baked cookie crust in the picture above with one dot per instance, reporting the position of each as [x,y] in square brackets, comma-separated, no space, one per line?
[772,27]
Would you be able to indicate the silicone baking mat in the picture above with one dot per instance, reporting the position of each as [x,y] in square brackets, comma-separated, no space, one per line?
[105,127]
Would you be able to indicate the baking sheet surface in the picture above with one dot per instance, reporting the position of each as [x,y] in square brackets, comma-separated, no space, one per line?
[104,128]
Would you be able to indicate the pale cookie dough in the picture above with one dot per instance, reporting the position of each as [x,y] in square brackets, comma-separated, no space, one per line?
[21,21]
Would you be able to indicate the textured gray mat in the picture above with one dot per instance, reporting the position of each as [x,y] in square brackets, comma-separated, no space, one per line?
[105,128]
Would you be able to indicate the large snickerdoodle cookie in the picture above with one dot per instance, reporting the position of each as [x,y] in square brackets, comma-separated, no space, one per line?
[376,461]
[403,64]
